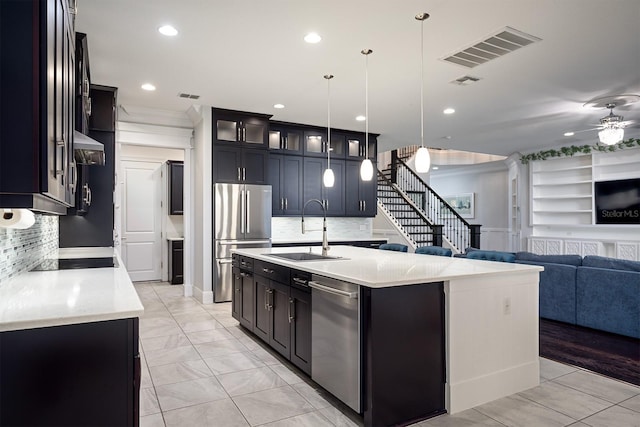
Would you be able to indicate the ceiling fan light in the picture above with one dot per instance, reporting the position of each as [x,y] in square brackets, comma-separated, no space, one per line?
[422,160]
[366,170]
[328,178]
[611,135]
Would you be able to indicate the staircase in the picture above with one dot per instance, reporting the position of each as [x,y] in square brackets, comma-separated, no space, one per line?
[411,221]
[422,215]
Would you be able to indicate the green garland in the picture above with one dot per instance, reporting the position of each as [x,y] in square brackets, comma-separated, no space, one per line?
[578,149]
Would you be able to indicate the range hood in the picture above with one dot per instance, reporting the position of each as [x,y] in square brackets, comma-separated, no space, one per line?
[87,151]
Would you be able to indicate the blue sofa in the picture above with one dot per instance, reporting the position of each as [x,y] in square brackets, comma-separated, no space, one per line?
[595,292]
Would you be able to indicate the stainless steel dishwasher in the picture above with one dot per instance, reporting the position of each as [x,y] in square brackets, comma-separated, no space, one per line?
[335,338]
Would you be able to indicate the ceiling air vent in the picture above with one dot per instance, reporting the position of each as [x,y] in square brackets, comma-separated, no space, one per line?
[188,95]
[499,44]
[465,80]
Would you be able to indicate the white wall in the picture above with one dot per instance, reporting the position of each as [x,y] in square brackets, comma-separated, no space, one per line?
[490,184]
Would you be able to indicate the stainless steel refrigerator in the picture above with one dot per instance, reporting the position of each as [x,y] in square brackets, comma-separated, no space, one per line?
[242,219]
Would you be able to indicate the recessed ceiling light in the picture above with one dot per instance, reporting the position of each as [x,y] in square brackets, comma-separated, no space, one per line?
[435,168]
[449,111]
[569,133]
[361,118]
[168,30]
[148,86]
[312,38]
[278,106]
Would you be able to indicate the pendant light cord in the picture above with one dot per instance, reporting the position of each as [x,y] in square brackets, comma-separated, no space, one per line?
[366,106]
[422,83]
[328,77]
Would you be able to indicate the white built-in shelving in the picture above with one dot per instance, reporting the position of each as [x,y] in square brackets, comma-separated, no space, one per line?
[562,191]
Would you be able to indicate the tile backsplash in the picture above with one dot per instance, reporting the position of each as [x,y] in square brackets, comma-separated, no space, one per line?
[22,249]
[288,228]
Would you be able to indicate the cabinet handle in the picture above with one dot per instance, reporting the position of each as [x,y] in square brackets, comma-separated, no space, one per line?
[281,142]
[286,142]
[364,205]
[266,299]
[286,203]
[238,133]
[244,134]
[74,182]
[88,106]
[239,174]
[244,174]
[281,203]
[60,143]
[269,298]
[300,281]
[292,314]
[268,271]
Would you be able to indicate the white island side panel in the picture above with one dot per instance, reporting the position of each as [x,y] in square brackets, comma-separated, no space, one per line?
[491,334]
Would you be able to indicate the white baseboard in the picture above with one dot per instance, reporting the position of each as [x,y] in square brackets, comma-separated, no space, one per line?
[188,290]
[205,297]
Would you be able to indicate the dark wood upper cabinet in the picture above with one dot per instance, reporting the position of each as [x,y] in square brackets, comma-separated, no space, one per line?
[37,52]
[234,127]
[285,139]
[176,184]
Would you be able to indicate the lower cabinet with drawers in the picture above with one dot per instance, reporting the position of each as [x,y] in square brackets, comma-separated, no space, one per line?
[274,302]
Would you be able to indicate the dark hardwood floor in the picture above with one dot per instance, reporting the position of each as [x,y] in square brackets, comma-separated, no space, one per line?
[609,354]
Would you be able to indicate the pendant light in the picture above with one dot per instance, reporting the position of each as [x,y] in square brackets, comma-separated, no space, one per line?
[328,178]
[366,168]
[423,160]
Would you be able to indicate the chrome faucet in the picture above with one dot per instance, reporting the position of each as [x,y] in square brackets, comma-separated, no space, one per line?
[325,243]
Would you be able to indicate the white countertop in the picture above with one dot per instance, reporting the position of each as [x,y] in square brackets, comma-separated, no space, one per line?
[376,268]
[38,299]
[348,239]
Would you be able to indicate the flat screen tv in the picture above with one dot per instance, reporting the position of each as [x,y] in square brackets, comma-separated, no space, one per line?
[617,202]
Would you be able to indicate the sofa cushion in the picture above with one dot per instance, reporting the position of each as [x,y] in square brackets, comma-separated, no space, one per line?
[610,263]
[492,256]
[557,291]
[575,260]
[433,250]
[608,300]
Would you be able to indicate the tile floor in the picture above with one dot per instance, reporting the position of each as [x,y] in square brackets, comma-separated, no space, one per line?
[200,369]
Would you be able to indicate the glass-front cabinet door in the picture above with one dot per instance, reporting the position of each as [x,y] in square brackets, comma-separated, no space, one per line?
[315,143]
[230,127]
[284,139]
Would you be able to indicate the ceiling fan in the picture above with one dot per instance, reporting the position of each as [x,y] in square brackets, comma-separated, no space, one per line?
[611,127]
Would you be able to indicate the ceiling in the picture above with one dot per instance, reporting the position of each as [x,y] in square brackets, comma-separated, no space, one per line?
[249,55]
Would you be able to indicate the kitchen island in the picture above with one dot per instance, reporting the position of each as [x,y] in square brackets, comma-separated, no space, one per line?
[69,342]
[481,317]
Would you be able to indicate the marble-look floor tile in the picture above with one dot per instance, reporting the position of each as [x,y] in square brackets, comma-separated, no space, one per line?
[219,413]
[235,362]
[201,337]
[319,399]
[286,374]
[266,357]
[218,307]
[550,369]
[226,322]
[633,403]
[165,342]
[172,355]
[310,419]
[272,405]
[250,381]
[184,306]
[148,402]
[337,418]
[599,386]
[154,420]
[568,401]
[145,376]
[220,348]
[468,418]
[178,372]
[516,411]
[615,416]
[238,331]
[158,327]
[188,393]
[251,343]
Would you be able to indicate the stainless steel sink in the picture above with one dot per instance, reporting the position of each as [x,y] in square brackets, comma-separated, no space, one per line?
[304,256]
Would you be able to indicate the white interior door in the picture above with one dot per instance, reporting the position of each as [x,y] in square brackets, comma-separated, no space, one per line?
[141,219]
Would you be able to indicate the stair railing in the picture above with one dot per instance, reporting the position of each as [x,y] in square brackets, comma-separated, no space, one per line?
[427,228]
[456,229]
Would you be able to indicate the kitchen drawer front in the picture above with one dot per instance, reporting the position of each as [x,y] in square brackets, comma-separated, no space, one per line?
[300,280]
[274,272]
